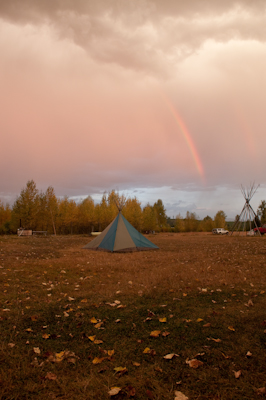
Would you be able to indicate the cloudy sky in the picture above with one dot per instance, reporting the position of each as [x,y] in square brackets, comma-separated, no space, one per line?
[155,99]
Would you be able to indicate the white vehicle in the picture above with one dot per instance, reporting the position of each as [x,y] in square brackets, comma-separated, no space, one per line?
[220,231]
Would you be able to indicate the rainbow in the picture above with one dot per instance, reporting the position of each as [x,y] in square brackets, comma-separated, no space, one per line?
[188,139]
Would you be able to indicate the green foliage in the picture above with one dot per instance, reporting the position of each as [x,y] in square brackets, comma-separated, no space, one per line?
[160,214]
[262,211]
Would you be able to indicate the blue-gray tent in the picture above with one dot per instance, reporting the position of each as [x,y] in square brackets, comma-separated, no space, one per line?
[120,236]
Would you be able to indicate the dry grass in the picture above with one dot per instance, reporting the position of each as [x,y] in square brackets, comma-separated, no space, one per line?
[207,287]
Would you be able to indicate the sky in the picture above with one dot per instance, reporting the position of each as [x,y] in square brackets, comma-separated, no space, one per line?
[151,98]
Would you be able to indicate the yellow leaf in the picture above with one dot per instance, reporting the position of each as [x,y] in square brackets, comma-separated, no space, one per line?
[94,320]
[231,328]
[28,330]
[92,338]
[97,360]
[84,301]
[120,369]
[98,341]
[98,325]
[163,319]
[147,350]
[155,334]
[199,319]
[59,356]
[46,335]
[114,390]
[110,353]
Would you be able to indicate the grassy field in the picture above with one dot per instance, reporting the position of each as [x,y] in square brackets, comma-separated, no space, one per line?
[186,321]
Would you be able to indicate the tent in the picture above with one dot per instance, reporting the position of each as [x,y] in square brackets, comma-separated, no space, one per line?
[120,236]
[247,215]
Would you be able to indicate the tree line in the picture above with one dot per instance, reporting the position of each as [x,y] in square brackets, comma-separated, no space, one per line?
[43,211]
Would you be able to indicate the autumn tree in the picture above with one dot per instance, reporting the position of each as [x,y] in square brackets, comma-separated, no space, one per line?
[51,208]
[5,218]
[67,215]
[191,223]
[26,207]
[86,215]
[219,219]
[149,221]
[262,211]
[206,225]
[133,213]
[179,224]
[160,214]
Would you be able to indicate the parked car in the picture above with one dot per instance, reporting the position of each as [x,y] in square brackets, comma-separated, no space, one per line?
[220,231]
[262,230]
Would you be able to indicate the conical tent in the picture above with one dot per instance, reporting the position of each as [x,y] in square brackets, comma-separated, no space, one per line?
[247,215]
[121,236]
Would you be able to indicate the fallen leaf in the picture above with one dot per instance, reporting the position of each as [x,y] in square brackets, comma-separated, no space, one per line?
[249,354]
[231,328]
[97,360]
[147,350]
[50,376]
[237,374]
[84,301]
[163,319]
[71,299]
[120,370]
[170,356]
[98,325]
[155,334]
[165,333]
[215,340]
[28,330]
[94,320]
[36,350]
[110,353]
[194,363]
[136,364]
[11,345]
[114,390]
[207,325]
[92,338]
[199,319]
[180,396]
[97,341]
[46,335]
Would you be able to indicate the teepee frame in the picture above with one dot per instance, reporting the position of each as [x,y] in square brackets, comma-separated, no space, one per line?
[247,215]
